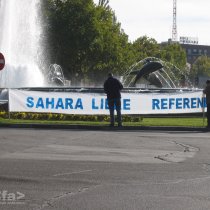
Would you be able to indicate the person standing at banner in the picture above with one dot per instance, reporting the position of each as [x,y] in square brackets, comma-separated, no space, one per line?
[112,88]
[207,92]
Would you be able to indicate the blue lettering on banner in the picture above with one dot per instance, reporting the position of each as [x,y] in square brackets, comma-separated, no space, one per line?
[202,102]
[30,102]
[53,103]
[79,104]
[155,104]
[40,103]
[194,103]
[59,104]
[186,102]
[103,104]
[178,103]
[94,104]
[126,104]
[171,102]
[69,103]
[163,103]
[100,104]
[50,102]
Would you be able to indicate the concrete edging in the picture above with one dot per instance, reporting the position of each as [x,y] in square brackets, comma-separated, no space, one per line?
[105,128]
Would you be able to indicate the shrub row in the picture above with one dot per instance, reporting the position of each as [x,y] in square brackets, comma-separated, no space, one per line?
[65,117]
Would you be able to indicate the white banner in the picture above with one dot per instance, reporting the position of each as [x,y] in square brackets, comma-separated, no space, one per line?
[96,103]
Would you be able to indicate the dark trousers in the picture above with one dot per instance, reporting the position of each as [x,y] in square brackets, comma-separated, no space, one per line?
[208,115]
[115,104]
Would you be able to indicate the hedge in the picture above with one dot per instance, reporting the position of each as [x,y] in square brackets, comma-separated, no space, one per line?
[65,117]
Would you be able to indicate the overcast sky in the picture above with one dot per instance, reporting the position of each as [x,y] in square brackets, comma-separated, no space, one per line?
[154,18]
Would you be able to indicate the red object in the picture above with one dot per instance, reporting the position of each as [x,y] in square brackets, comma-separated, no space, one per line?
[2,61]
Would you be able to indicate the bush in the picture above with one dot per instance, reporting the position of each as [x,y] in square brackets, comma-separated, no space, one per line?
[66,117]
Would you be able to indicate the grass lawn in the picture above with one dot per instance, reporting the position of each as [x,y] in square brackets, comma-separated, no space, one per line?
[179,121]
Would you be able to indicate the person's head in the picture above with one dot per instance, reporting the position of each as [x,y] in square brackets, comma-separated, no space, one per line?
[110,74]
[208,82]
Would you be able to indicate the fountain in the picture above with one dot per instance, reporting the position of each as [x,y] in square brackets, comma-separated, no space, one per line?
[152,72]
[19,42]
[55,75]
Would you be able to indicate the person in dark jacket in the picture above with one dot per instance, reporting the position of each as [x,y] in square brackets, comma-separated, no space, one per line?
[112,88]
[207,92]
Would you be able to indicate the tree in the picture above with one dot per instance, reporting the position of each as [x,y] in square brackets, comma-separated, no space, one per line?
[70,31]
[174,54]
[86,39]
[104,3]
[110,50]
[201,67]
[145,47]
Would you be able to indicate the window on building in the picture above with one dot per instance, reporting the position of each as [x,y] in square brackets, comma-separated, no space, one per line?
[194,51]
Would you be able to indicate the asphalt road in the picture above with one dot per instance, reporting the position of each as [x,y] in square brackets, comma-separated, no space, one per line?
[44,169]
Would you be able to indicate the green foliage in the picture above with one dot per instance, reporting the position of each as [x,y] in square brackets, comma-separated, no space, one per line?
[85,39]
[104,3]
[62,117]
[70,30]
[101,120]
[174,54]
[146,47]
[110,50]
[201,67]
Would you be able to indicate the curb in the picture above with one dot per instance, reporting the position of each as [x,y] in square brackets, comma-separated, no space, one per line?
[105,128]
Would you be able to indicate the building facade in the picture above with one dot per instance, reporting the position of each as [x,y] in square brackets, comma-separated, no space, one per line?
[193,51]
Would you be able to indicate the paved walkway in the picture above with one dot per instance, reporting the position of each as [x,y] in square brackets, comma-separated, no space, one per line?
[51,169]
